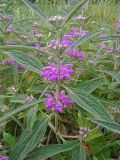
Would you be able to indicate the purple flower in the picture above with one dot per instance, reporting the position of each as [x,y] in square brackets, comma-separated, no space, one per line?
[51,72]
[57,102]
[75,32]
[117,25]
[11,62]
[103,35]
[4,158]
[4,62]
[83,33]
[10,29]
[116,35]
[67,43]
[11,43]
[20,66]
[117,49]
[38,46]
[66,37]
[77,54]
[102,46]
[55,44]
[10,17]
[110,49]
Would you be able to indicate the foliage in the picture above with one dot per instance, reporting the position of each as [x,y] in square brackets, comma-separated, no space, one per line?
[59,81]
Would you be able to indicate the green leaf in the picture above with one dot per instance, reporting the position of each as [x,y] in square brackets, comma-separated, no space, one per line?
[86,38]
[78,153]
[113,126]
[89,85]
[21,48]
[95,148]
[31,117]
[107,38]
[57,157]
[114,74]
[35,9]
[29,63]
[29,140]
[74,11]
[89,103]
[9,139]
[19,109]
[48,151]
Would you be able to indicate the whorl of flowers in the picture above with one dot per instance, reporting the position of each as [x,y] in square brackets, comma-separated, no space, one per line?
[4,158]
[11,62]
[51,72]
[10,29]
[80,19]
[117,25]
[56,21]
[57,105]
[76,54]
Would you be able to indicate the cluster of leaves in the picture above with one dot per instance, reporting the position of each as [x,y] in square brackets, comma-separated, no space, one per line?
[33,133]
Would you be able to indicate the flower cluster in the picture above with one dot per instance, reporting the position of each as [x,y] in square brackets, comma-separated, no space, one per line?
[51,72]
[10,29]
[30,98]
[4,158]
[80,19]
[56,21]
[77,54]
[117,25]
[83,132]
[58,105]
[5,17]
[11,62]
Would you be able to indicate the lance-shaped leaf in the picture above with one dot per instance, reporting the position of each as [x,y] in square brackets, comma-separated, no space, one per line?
[86,38]
[107,38]
[29,62]
[21,48]
[19,109]
[35,9]
[29,140]
[90,104]
[46,152]
[74,11]
[78,153]
[113,126]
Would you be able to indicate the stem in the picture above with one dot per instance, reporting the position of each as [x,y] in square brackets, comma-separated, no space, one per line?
[58,81]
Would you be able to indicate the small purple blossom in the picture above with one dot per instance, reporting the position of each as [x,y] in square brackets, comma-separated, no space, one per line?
[67,43]
[117,25]
[51,72]
[11,43]
[11,62]
[10,29]
[4,158]
[55,104]
[83,33]
[38,46]
[77,54]
[103,35]
[75,32]
[110,49]
[117,49]
[4,62]
[102,46]
[116,35]
[10,17]
[66,37]
[20,66]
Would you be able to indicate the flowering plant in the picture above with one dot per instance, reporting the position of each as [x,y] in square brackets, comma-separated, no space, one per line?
[61,87]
